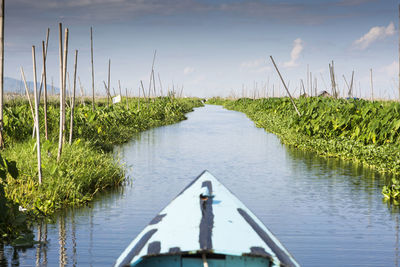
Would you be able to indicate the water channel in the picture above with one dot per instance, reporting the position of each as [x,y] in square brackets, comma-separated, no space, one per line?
[325,211]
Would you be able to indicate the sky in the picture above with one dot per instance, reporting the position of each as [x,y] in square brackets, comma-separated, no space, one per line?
[210,47]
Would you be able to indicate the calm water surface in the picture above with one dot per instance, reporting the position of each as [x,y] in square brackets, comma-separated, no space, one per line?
[326,212]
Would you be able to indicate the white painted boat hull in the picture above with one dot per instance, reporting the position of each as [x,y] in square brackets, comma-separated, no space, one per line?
[206,223]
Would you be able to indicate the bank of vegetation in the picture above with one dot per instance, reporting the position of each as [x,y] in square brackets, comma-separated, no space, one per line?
[353,129]
[86,165]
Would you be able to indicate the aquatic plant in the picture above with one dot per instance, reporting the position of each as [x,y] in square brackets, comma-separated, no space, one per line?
[13,224]
[357,130]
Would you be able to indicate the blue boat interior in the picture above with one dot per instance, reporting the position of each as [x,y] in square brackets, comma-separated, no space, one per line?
[196,260]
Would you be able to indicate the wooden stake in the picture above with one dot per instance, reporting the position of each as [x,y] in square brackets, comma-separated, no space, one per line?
[291,99]
[144,94]
[69,91]
[91,49]
[348,86]
[154,85]
[27,94]
[105,87]
[316,86]
[36,115]
[1,71]
[45,90]
[65,81]
[108,84]
[159,79]
[60,137]
[82,94]
[333,81]
[302,85]
[351,83]
[308,80]
[138,101]
[45,56]
[152,71]
[119,86]
[71,125]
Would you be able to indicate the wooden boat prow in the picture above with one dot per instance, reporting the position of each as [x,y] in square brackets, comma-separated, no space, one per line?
[205,225]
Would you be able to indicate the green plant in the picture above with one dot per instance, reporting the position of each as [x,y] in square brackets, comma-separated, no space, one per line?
[356,130]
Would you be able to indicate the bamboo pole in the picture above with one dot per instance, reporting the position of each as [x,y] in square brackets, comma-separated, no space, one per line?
[308,80]
[71,125]
[60,137]
[304,90]
[36,115]
[105,88]
[45,56]
[330,74]
[154,85]
[119,85]
[82,94]
[108,84]
[2,11]
[316,86]
[351,83]
[333,82]
[27,94]
[348,86]
[138,101]
[91,50]
[144,94]
[291,99]
[45,90]
[152,71]
[159,79]
[69,91]
[65,59]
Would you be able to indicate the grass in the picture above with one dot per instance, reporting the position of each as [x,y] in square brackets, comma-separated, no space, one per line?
[87,166]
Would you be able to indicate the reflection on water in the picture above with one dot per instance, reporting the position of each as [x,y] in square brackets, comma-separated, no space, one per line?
[326,211]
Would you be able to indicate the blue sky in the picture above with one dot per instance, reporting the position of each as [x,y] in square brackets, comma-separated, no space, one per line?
[213,47]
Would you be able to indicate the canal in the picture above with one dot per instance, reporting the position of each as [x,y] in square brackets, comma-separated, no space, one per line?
[325,211]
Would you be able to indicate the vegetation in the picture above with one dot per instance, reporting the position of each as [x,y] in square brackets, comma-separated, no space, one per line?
[13,226]
[356,130]
[86,166]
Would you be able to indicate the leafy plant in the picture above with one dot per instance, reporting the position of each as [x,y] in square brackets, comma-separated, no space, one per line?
[356,130]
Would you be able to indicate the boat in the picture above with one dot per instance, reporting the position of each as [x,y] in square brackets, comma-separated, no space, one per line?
[205,225]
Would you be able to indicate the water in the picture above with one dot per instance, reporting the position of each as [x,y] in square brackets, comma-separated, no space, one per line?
[325,211]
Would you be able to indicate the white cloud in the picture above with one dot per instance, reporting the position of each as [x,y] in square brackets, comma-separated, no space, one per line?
[374,34]
[294,55]
[188,70]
